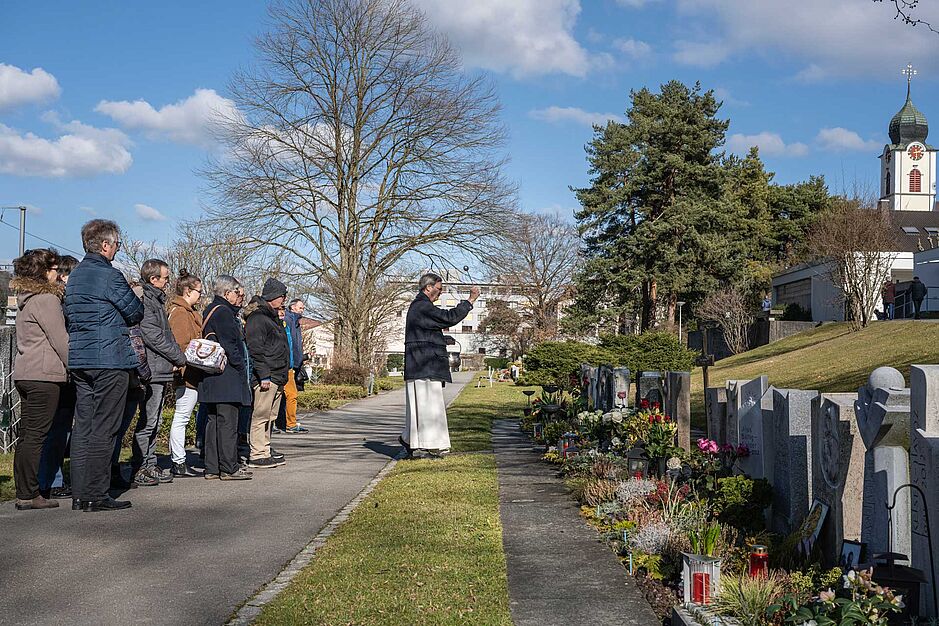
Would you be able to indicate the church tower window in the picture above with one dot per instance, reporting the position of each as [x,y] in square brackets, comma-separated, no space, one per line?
[916,181]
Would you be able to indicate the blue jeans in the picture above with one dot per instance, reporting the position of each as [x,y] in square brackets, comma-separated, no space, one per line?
[201,416]
[56,445]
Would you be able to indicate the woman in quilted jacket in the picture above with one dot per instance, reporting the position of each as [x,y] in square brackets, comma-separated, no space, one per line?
[40,369]
[186,325]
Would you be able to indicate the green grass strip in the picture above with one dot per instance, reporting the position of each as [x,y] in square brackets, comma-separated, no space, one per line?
[426,546]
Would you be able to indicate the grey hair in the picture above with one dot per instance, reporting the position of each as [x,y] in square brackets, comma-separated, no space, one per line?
[427,280]
[96,232]
[224,284]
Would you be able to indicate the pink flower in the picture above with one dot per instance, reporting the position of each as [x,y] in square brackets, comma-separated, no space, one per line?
[703,444]
[620,394]
[727,448]
[712,447]
[743,451]
[826,596]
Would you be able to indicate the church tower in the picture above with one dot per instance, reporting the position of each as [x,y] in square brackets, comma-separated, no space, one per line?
[908,164]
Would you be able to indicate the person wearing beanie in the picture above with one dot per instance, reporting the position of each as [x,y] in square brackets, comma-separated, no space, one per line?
[270,357]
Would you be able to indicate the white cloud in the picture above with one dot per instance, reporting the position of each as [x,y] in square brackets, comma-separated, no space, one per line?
[87,210]
[832,38]
[187,121]
[633,48]
[148,213]
[634,4]
[769,143]
[839,139]
[522,37]
[20,87]
[81,150]
[577,115]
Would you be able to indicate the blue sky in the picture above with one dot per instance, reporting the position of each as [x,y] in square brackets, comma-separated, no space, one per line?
[103,104]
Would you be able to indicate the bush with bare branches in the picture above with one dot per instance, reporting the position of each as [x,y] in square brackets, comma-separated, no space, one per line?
[731,310]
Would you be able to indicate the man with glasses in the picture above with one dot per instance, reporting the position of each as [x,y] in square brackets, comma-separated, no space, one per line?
[99,308]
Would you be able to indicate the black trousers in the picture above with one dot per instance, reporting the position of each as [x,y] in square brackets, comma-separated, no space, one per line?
[39,400]
[99,407]
[917,305]
[221,439]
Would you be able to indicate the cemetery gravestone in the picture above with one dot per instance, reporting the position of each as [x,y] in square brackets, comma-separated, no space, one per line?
[792,460]
[924,468]
[838,471]
[715,400]
[592,390]
[756,433]
[606,389]
[621,382]
[883,416]
[650,387]
[742,395]
[678,404]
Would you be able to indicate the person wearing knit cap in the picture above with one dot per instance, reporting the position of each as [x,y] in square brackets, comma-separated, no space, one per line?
[270,359]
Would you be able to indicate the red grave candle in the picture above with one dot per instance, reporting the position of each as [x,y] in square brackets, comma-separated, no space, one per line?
[701,588]
[759,561]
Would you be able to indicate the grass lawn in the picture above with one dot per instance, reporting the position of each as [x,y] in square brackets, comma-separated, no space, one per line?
[7,490]
[828,358]
[426,546]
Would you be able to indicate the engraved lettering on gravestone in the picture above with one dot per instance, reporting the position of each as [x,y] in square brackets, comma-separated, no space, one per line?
[830,448]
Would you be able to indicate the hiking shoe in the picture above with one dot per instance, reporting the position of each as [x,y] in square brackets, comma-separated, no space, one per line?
[163,476]
[182,470]
[265,463]
[143,478]
[297,429]
[238,475]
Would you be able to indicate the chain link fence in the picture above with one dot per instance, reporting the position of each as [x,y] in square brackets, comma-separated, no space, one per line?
[9,399]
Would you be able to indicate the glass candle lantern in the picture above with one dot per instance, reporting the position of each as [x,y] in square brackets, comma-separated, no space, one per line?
[701,578]
[759,561]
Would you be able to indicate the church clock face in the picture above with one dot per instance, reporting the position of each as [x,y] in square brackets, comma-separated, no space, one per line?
[916,151]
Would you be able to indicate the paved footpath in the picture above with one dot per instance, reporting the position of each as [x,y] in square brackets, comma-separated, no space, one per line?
[559,571]
[190,552]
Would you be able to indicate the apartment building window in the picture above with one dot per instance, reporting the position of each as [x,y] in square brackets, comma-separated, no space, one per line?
[467,329]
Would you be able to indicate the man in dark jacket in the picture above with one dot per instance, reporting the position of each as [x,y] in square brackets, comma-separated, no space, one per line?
[427,367]
[163,357]
[297,357]
[225,394]
[270,360]
[99,307]
[917,294]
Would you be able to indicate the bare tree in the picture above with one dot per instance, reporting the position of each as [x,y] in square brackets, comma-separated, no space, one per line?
[504,328]
[539,259]
[732,312]
[360,144]
[906,13]
[856,242]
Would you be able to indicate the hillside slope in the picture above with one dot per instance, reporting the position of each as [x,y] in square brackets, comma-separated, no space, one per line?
[828,358]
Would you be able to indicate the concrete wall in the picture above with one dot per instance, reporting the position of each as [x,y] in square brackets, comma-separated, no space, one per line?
[762,332]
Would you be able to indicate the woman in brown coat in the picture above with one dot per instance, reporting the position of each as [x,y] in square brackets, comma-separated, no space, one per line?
[186,325]
[40,370]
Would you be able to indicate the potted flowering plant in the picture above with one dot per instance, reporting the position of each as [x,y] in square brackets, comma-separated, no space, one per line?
[660,434]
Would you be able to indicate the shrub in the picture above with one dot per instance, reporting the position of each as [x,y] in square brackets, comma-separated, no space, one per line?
[318,397]
[395,362]
[599,490]
[795,313]
[558,363]
[651,351]
[345,374]
[740,501]
[498,363]
[747,599]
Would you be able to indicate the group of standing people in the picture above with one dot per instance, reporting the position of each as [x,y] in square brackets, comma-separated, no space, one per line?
[915,293]
[95,351]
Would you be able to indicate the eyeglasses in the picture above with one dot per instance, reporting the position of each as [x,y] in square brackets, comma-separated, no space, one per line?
[116,244]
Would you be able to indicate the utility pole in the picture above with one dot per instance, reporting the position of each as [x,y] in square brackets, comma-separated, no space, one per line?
[22,230]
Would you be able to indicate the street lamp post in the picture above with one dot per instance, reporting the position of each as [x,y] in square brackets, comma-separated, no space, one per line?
[680,304]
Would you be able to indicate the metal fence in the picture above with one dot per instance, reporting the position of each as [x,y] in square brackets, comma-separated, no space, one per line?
[9,399]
